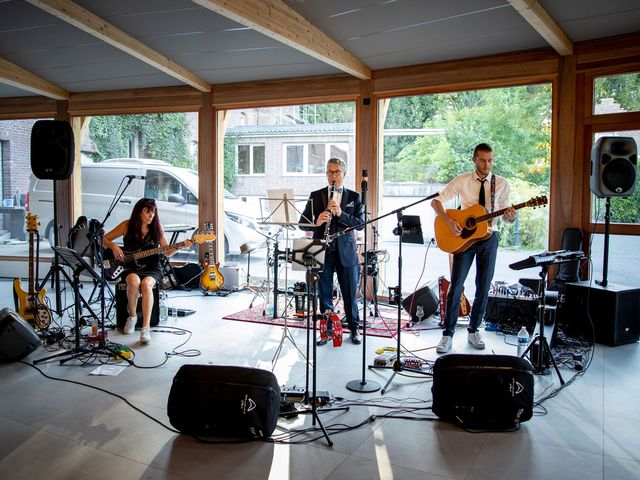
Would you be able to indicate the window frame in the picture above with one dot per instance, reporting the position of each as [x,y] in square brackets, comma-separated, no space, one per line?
[305,156]
[251,157]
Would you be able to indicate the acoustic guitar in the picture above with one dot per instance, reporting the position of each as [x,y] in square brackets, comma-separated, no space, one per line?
[211,279]
[475,226]
[132,260]
[31,305]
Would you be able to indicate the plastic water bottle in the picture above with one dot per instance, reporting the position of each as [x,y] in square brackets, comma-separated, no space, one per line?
[523,340]
[164,310]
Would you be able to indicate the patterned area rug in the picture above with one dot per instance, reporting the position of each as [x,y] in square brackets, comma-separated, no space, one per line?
[384,325]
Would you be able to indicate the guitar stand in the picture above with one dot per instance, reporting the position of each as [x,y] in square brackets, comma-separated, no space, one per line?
[540,366]
[78,265]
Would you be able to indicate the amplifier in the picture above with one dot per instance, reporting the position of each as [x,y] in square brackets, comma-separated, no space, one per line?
[231,274]
[516,310]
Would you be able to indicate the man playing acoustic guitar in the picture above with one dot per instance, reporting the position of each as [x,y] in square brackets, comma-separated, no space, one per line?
[482,187]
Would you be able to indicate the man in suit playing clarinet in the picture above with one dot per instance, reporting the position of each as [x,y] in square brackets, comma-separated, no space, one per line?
[336,208]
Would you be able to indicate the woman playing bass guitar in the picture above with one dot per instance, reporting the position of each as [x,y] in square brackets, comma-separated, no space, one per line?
[142,231]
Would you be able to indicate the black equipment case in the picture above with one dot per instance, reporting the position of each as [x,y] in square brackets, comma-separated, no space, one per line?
[492,392]
[224,401]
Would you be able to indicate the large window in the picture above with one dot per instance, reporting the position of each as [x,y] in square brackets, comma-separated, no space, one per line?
[429,139]
[616,94]
[274,149]
[311,158]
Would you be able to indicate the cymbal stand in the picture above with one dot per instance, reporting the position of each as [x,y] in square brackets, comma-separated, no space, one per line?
[540,366]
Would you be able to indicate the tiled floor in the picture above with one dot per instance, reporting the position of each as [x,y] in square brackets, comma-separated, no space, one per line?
[51,429]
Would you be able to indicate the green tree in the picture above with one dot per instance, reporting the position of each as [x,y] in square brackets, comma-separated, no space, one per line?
[163,136]
[230,161]
[624,89]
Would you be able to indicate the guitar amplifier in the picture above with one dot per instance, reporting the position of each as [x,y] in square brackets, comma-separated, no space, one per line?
[121,307]
[231,274]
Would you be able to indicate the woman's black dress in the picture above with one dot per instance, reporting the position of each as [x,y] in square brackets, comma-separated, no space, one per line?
[150,266]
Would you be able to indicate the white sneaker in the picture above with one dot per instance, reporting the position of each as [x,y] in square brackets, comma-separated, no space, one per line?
[445,344]
[130,325]
[145,335]
[475,339]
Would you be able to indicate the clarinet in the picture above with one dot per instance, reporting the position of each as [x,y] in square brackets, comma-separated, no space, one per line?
[328,224]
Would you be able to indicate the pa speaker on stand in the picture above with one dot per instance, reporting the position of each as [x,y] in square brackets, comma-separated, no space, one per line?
[614,162]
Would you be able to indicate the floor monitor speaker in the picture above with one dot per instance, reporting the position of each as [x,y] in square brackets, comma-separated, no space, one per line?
[224,401]
[17,338]
[425,297]
[493,392]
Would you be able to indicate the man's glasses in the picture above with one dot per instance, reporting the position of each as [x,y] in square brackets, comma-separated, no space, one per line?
[334,172]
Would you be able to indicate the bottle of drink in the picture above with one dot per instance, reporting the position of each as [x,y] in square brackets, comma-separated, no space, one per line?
[164,310]
[523,340]
[94,327]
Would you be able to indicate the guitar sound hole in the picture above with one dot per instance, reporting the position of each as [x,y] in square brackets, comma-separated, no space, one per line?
[470,223]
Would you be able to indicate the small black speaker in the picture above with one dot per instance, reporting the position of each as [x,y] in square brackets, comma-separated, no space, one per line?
[52,149]
[614,311]
[224,401]
[483,391]
[17,338]
[425,297]
[121,307]
[614,161]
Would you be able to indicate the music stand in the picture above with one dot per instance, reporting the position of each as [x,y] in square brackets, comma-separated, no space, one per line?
[279,208]
[310,257]
[78,265]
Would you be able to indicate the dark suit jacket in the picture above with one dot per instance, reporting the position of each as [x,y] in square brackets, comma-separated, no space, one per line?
[352,215]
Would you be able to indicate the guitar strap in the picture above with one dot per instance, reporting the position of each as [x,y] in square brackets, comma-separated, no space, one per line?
[493,193]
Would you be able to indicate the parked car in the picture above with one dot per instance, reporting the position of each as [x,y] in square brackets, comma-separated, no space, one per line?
[175,190]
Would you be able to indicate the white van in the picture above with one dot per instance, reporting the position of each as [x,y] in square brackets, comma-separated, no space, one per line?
[175,190]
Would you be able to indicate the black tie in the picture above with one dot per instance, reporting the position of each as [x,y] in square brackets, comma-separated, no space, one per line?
[481,195]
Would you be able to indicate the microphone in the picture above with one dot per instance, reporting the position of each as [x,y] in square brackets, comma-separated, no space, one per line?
[365,180]
[140,177]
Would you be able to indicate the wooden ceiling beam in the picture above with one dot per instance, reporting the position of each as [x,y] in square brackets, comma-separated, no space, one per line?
[546,26]
[16,76]
[277,20]
[85,20]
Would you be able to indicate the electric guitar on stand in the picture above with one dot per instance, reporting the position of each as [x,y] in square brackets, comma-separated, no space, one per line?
[211,279]
[31,305]
[475,225]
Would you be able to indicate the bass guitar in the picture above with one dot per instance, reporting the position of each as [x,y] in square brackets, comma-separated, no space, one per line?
[31,305]
[211,279]
[475,226]
[114,267]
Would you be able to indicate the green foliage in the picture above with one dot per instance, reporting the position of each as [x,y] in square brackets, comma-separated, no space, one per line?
[230,161]
[515,121]
[162,136]
[624,89]
[623,209]
[532,222]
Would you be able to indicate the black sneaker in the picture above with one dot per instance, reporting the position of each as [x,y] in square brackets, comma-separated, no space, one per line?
[322,341]
[355,338]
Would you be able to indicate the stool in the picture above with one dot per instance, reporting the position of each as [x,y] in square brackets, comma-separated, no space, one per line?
[121,306]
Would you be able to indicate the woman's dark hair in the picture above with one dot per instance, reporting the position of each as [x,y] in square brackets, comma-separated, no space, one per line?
[134,232]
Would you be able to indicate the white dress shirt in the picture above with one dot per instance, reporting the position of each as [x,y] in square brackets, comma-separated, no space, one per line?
[466,187]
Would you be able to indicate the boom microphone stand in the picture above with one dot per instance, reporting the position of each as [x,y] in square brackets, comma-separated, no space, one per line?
[397,365]
[362,385]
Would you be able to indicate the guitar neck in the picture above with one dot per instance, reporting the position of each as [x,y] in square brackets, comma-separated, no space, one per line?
[31,286]
[153,251]
[497,213]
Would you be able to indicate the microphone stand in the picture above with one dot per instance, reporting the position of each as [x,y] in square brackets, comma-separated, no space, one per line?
[362,385]
[397,366]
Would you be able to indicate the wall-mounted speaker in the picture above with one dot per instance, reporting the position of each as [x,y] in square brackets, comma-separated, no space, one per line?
[614,161]
[52,149]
